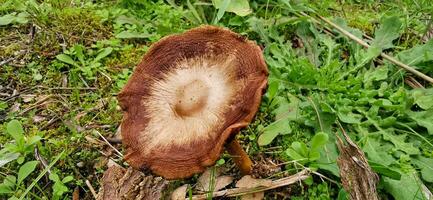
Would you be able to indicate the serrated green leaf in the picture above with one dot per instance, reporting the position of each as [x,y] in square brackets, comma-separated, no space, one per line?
[399,142]
[347,116]
[418,54]
[426,166]
[423,98]
[387,32]
[25,170]
[423,118]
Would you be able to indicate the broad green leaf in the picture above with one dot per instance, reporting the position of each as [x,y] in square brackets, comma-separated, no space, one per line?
[387,32]
[343,195]
[287,110]
[384,170]
[271,131]
[131,35]
[423,118]
[67,179]
[328,158]
[319,140]
[295,155]
[15,129]
[21,18]
[54,177]
[8,157]
[34,139]
[79,53]
[378,151]
[239,7]
[399,142]
[408,187]
[301,148]
[13,18]
[222,7]
[418,54]
[5,189]
[66,59]
[25,170]
[423,98]
[10,181]
[7,19]
[272,89]
[8,185]
[104,53]
[313,155]
[426,166]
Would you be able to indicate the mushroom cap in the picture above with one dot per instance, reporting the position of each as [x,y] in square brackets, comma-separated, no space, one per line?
[190,93]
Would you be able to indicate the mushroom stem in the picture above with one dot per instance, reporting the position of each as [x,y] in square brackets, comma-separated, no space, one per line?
[240,157]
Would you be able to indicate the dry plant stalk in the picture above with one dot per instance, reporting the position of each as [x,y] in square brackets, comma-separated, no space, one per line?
[385,56]
[357,176]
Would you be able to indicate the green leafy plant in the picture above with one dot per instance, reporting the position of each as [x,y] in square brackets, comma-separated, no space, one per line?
[302,153]
[14,18]
[85,61]
[12,184]
[20,147]
[59,187]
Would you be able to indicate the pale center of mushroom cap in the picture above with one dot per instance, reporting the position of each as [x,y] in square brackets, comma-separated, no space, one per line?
[191,98]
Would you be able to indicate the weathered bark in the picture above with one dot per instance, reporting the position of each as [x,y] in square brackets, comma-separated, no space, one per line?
[121,184]
[357,177]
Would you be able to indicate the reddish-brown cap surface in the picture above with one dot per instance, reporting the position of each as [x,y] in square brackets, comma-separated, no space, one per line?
[190,93]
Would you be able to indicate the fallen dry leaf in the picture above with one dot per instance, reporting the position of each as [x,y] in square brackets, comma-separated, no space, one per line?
[219,181]
[38,118]
[250,182]
[28,97]
[179,193]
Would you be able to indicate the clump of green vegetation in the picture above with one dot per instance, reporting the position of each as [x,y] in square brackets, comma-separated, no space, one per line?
[63,62]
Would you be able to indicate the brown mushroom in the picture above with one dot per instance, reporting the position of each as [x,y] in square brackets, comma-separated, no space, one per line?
[189,97]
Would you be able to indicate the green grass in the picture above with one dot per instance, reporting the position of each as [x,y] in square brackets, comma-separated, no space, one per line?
[67,60]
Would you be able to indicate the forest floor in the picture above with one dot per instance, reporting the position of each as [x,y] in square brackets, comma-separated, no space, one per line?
[62,64]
